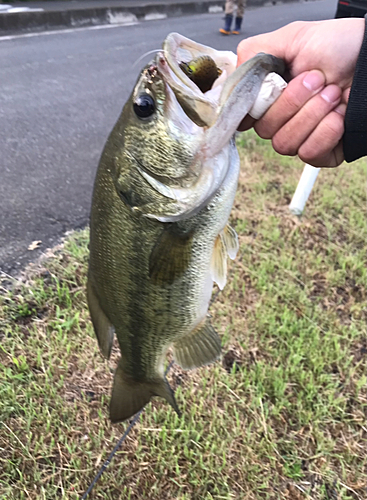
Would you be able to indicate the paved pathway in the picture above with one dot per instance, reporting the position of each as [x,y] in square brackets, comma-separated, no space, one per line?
[60,96]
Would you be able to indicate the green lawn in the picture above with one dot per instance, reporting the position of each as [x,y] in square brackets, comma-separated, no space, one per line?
[282,417]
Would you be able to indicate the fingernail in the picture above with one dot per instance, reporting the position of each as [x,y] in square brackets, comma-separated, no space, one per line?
[341,109]
[314,80]
[331,93]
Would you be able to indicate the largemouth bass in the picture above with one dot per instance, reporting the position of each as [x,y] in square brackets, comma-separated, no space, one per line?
[162,197]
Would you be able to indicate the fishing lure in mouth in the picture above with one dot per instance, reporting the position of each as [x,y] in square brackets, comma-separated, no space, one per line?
[202,71]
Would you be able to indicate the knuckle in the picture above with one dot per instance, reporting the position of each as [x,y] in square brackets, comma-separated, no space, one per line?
[282,145]
[334,126]
[246,48]
[298,24]
[305,156]
[320,145]
[243,45]
[330,132]
[310,153]
[263,130]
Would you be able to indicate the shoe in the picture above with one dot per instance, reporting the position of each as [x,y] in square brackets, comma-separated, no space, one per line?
[237,28]
[227,25]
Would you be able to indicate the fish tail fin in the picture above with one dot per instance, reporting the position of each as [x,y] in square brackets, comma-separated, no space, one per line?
[130,396]
[164,390]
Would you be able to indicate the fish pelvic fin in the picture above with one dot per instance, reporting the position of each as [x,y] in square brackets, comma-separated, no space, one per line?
[102,326]
[130,396]
[200,347]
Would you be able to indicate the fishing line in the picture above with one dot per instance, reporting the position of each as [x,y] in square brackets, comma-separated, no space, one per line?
[146,54]
[125,434]
[118,445]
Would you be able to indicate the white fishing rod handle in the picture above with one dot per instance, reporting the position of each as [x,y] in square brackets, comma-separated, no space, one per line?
[304,188]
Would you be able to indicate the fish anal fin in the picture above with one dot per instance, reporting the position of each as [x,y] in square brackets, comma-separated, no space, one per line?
[130,396]
[170,256]
[200,347]
[218,264]
[102,326]
[230,240]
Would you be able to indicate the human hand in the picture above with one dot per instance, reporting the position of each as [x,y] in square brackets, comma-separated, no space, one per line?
[308,118]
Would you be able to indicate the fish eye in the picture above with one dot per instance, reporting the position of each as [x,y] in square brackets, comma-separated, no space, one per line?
[144,106]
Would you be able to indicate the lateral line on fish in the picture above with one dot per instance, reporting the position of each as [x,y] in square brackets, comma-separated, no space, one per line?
[171,156]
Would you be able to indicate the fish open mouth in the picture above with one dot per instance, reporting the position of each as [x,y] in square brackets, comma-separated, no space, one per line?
[199,99]
[215,96]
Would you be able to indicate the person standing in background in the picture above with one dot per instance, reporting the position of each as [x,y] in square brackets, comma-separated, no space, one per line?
[229,9]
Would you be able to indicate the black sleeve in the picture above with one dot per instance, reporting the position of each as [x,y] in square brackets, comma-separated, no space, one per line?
[355,122]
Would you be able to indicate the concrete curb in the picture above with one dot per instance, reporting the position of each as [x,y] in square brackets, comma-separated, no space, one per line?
[48,20]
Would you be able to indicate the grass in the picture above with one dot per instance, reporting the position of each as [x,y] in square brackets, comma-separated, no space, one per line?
[282,417]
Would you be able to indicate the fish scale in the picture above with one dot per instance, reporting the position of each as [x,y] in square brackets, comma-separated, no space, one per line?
[155,247]
[154,316]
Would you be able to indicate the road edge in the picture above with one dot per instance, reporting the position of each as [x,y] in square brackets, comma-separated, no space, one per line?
[76,18]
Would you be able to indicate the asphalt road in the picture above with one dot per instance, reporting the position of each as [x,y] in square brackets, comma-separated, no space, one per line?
[60,95]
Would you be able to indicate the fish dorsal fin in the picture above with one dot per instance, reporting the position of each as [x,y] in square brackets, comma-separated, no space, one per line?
[130,396]
[200,347]
[230,239]
[103,328]
[218,265]
[170,257]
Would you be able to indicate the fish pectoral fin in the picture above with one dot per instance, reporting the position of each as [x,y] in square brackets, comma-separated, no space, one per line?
[102,326]
[130,396]
[201,347]
[170,256]
[218,264]
[230,240]
[226,243]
